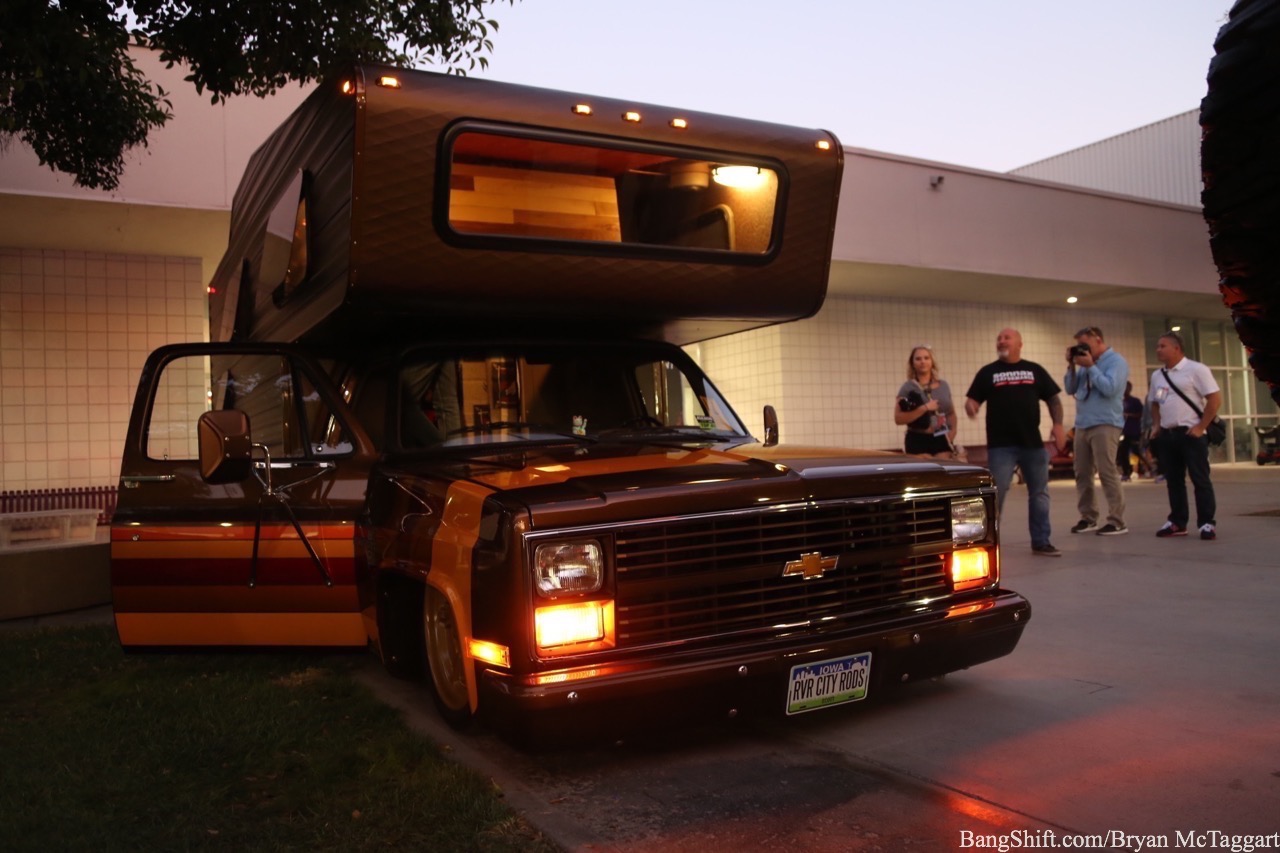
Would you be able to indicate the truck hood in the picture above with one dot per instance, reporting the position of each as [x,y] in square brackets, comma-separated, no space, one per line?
[562,486]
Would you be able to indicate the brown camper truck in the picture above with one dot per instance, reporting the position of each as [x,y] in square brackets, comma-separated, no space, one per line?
[447,414]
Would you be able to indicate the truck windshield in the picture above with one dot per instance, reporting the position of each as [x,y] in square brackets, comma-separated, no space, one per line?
[466,398]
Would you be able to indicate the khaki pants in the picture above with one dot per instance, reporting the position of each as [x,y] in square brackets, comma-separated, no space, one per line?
[1095,450]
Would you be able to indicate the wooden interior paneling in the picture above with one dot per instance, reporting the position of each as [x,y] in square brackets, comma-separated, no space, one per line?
[555,205]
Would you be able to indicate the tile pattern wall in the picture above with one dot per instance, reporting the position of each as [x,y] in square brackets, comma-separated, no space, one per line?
[747,369]
[834,377]
[75,328]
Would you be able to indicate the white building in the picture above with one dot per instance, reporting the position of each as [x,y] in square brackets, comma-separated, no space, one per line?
[925,252]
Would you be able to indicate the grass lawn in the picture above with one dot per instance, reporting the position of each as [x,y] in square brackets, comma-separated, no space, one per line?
[105,751]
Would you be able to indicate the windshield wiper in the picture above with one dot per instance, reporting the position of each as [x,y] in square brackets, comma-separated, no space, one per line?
[496,426]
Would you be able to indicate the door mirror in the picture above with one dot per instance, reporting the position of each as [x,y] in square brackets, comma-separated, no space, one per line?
[770,426]
[225,446]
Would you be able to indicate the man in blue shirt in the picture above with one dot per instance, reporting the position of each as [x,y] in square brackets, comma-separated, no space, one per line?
[1096,376]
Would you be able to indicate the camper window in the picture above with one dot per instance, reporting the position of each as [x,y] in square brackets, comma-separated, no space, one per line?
[284,245]
[529,185]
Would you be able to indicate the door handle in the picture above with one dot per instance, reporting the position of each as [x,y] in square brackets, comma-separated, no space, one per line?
[132,481]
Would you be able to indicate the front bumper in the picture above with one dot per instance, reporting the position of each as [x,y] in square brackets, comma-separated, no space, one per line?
[610,700]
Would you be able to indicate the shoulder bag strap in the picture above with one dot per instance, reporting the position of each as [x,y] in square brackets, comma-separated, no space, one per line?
[1178,391]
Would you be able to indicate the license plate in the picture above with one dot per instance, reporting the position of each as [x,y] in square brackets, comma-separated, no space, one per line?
[828,682]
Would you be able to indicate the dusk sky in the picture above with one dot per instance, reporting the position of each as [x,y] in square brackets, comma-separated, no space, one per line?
[991,84]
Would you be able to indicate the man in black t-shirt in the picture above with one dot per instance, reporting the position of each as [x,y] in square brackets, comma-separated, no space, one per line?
[1012,389]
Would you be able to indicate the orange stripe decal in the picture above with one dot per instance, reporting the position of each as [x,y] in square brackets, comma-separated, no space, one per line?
[227,531]
[222,598]
[451,563]
[538,475]
[268,549]
[240,629]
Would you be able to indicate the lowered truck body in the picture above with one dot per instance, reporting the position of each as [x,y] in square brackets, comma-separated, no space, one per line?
[450,417]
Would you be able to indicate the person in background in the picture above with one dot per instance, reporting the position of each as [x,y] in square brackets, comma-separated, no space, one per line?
[1146,450]
[1096,376]
[1130,435]
[1178,434]
[1012,389]
[925,407]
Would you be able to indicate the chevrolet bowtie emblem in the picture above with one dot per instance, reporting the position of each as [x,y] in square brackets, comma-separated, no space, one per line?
[809,566]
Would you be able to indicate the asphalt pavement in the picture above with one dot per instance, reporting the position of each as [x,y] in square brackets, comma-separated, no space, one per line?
[1144,700]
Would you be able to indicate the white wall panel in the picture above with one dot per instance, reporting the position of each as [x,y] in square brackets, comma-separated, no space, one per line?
[1160,161]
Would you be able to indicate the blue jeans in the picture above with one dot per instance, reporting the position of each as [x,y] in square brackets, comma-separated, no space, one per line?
[1034,462]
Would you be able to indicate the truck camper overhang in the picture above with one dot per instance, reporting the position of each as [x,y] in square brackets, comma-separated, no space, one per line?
[395,201]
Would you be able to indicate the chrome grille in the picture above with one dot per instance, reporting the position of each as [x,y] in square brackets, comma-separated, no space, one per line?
[720,576]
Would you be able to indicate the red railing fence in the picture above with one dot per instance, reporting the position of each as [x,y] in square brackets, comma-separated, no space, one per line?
[101,498]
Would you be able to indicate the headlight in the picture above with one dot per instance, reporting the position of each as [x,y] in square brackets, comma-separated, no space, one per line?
[568,567]
[968,520]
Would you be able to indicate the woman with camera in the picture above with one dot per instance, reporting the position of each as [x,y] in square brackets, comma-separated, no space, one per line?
[925,407]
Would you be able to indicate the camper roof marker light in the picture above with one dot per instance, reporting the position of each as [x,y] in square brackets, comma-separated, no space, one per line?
[631,115]
[823,145]
[739,177]
[389,82]
[679,123]
[581,109]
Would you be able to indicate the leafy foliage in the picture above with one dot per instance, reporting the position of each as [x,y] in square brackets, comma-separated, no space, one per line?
[69,89]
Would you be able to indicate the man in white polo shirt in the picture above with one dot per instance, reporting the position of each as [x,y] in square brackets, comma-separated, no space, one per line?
[1178,434]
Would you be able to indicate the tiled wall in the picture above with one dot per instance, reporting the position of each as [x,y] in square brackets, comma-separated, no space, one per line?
[835,378]
[746,369]
[75,328]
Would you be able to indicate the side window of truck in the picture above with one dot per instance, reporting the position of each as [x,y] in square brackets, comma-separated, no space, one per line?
[671,398]
[286,412]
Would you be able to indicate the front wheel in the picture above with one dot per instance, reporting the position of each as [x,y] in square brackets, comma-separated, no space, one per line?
[446,665]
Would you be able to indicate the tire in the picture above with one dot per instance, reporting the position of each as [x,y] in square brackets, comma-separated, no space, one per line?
[1240,161]
[446,664]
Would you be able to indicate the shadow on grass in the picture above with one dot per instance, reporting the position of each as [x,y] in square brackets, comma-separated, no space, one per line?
[107,751]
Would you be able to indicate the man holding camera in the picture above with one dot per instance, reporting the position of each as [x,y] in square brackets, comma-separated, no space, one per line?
[1096,376]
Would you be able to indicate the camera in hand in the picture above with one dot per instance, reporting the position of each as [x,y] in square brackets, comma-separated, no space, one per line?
[912,401]
[1079,349]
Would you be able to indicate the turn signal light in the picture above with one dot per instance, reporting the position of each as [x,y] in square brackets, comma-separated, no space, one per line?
[483,650]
